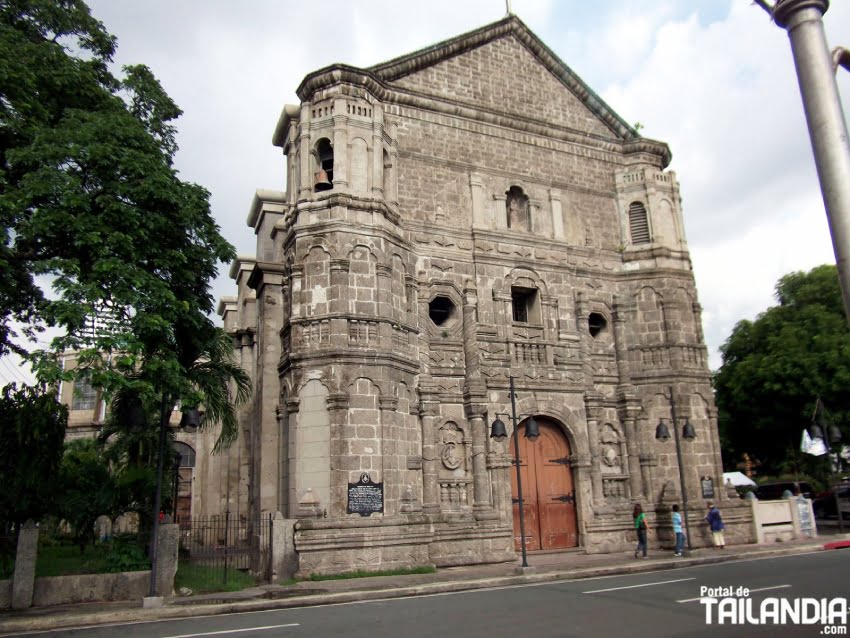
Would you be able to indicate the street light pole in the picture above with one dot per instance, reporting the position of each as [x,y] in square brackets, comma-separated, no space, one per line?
[681,467]
[816,67]
[830,435]
[163,424]
[662,434]
[519,476]
[499,433]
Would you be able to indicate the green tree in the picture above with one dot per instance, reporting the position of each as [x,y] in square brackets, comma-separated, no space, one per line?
[32,431]
[91,202]
[776,366]
[87,489]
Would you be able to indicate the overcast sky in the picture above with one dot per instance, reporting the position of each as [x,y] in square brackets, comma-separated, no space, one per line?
[712,78]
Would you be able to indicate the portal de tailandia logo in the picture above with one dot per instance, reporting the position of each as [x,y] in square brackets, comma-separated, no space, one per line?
[733,606]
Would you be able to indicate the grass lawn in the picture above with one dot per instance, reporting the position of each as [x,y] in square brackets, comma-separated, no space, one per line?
[201,579]
[66,560]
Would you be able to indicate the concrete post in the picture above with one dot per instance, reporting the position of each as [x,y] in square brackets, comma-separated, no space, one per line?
[284,561]
[803,19]
[23,580]
[166,568]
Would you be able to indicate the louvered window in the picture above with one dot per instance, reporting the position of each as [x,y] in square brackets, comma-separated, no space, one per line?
[638,223]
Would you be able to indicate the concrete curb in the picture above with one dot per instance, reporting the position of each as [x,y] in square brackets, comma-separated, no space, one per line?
[172,611]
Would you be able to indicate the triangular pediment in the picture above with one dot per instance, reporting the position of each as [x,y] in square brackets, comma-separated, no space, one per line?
[504,68]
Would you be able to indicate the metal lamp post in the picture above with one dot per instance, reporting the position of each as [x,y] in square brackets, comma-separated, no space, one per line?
[689,434]
[191,417]
[822,431]
[165,414]
[816,68]
[499,432]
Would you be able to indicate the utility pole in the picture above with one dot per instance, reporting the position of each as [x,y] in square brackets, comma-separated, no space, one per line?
[816,68]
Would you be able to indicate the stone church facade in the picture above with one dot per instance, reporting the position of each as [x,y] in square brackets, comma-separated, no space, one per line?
[454,220]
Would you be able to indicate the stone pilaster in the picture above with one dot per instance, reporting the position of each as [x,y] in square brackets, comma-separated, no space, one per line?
[594,409]
[429,410]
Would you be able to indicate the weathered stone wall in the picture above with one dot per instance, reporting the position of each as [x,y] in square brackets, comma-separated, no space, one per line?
[476,227]
[505,76]
[89,588]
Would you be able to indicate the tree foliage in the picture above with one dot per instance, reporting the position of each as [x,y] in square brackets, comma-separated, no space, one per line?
[32,431]
[776,366]
[87,490]
[91,203]
[89,197]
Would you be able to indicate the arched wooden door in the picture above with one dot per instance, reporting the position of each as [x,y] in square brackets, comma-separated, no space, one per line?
[549,502]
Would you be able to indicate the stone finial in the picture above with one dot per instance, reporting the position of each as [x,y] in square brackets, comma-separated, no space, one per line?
[669,493]
[309,506]
[408,501]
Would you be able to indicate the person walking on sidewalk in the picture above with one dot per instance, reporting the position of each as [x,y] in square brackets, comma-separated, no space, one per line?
[677,530]
[715,521]
[640,528]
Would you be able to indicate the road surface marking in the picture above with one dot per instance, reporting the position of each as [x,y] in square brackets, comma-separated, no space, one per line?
[234,631]
[691,600]
[663,582]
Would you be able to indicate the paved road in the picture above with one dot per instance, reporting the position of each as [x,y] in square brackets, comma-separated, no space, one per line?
[656,604]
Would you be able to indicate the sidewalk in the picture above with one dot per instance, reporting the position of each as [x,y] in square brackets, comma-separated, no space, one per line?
[543,567]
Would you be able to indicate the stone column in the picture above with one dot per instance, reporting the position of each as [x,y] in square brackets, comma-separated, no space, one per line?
[377,151]
[593,413]
[387,435]
[429,410]
[499,463]
[500,213]
[340,467]
[340,140]
[384,305]
[620,344]
[479,216]
[581,463]
[391,189]
[557,213]
[647,462]
[470,335]
[293,404]
[635,482]
[475,397]
[305,186]
[23,581]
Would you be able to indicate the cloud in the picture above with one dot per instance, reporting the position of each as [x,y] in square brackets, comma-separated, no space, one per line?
[724,96]
[715,80]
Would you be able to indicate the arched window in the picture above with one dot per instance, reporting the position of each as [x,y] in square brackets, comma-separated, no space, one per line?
[324,177]
[187,454]
[638,223]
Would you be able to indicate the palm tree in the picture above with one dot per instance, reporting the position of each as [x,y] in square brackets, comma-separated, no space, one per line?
[220,385]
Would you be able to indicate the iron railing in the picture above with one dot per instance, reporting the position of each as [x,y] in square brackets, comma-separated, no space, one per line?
[225,549]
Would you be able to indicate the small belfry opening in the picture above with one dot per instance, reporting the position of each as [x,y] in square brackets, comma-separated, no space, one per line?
[441,310]
[516,208]
[597,324]
[324,176]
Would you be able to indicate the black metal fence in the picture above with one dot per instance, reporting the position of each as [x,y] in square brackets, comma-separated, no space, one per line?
[224,550]
[8,548]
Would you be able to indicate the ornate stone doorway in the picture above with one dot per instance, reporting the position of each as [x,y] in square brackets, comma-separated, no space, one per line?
[547,488]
